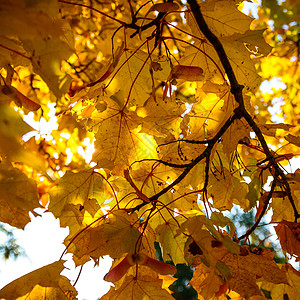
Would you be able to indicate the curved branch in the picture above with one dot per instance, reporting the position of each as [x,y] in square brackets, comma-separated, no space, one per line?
[236,90]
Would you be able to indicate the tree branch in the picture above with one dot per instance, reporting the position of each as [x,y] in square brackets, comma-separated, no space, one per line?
[236,90]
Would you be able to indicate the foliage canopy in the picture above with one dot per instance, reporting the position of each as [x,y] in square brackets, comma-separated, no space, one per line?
[168,94]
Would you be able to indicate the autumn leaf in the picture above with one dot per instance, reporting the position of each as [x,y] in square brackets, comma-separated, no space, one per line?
[234,189]
[120,228]
[233,135]
[155,128]
[279,291]
[133,74]
[288,234]
[247,267]
[118,140]
[172,243]
[42,282]
[254,41]
[73,193]
[19,196]
[206,281]
[144,287]
[161,117]
[11,131]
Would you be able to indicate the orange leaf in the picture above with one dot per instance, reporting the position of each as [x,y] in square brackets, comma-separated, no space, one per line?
[26,102]
[164,7]
[188,73]
[20,99]
[289,236]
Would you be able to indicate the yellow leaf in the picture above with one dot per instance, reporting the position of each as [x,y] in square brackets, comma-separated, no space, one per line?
[89,243]
[242,64]
[132,75]
[223,17]
[172,244]
[12,128]
[18,196]
[206,281]
[161,118]
[209,249]
[291,289]
[44,282]
[144,287]
[224,188]
[247,268]
[121,233]
[72,194]
[254,41]
[118,140]
[237,131]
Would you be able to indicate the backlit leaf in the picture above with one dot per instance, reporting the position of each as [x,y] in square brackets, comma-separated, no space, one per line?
[18,196]
[45,282]
[144,287]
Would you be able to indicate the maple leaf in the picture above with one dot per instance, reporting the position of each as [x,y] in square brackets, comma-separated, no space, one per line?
[288,234]
[118,140]
[161,117]
[209,247]
[233,135]
[206,281]
[121,234]
[214,105]
[144,287]
[73,193]
[88,244]
[247,267]
[234,189]
[253,39]
[225,18]
[172,244]
[45,282]
[33,24]
[133,72]
[19,196]
[281,291]
[11,131]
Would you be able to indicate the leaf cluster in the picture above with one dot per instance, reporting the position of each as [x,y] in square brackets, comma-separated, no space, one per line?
[161,129]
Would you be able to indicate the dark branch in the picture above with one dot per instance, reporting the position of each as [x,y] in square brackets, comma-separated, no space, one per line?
[236,90]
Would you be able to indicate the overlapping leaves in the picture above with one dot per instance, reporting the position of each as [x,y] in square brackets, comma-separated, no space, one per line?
[173,146]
